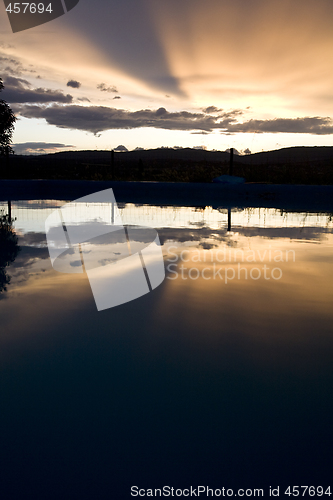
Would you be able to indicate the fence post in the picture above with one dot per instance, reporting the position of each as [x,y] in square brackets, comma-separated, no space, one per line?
[231,162]
[112,165]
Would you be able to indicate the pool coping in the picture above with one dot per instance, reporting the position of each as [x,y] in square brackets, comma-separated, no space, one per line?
[288,197]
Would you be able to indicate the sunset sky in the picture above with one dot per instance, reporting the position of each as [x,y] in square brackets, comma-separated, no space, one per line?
[248,74]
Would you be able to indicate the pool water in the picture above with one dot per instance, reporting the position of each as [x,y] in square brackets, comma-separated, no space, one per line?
[222,376]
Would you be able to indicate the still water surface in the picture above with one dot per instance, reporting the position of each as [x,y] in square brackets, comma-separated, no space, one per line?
[222,376]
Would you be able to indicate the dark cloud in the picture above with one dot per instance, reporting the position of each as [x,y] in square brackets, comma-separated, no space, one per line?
[211,109]
[18,90]
[117,97]
[201,235]
[161,112]
[99,118]
[16,83]
[307,125]
[33,239]
[26,258]
[74,84]
[38,147]
[104,88]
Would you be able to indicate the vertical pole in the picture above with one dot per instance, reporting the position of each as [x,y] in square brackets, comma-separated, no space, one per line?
[112,213]
[112,164]
[231,162]
[229,219]
[9,211]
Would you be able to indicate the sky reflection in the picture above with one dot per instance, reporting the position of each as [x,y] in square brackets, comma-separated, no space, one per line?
[199,376]
[270,271]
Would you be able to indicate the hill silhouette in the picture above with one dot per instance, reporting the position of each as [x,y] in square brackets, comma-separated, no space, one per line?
[284,155]
[295,165]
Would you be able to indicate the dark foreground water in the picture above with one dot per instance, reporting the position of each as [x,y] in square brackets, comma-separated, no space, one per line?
[222,377]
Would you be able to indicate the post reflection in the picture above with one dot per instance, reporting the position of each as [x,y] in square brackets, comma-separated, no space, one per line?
[8,247]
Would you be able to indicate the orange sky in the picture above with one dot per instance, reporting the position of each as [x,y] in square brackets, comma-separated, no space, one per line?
[259,60]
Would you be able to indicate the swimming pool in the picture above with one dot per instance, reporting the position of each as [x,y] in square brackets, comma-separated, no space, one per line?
[220,377]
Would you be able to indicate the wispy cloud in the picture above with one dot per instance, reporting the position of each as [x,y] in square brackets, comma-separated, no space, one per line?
[211,109]
[105,88]
[25,148]
[11,65]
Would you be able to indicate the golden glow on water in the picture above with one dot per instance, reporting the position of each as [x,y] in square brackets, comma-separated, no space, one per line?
[220,296]
[38,308]
[268,280]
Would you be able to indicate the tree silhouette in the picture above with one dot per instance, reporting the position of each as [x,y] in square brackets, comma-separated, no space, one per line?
[7,120]
[8,249]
